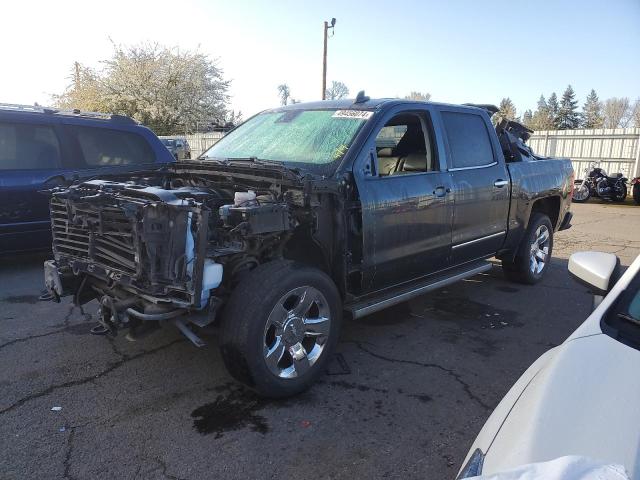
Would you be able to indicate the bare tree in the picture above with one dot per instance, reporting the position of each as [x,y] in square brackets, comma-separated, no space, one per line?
[167,89]
[233,118]
[284,92]
[636,113]
[616,112]
[424,97]
[336,91]
[85,92]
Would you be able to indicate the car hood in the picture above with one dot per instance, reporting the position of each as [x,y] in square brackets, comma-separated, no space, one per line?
[584,401]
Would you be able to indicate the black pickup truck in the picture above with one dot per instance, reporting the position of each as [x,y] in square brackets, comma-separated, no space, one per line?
[304,213]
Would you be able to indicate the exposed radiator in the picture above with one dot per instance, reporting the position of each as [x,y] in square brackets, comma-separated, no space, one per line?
[106,237]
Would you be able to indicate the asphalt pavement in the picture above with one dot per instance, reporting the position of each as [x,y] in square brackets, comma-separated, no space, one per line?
[404,397]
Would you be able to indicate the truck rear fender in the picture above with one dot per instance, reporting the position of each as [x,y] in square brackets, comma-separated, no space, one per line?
[550,206]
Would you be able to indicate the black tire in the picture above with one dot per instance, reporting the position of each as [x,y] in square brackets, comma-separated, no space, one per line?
[246,318]
[577,184]
[622,196]
[636,193]
[521,269]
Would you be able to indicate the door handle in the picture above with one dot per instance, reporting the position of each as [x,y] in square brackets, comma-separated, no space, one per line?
[441,191]
[500,183]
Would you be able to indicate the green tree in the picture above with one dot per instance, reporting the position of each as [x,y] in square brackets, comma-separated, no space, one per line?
[507,109]
[592,111]
[568,117]
[527,118]
[167,89]
[541,119]
[554,109]
[336,91]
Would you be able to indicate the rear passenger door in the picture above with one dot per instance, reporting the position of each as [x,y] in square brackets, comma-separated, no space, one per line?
[29,163]
[481,185]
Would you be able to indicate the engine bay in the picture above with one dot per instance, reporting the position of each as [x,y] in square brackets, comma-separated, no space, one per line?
[167,239]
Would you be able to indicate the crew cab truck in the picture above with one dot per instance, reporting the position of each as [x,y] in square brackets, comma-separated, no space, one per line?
[301,214]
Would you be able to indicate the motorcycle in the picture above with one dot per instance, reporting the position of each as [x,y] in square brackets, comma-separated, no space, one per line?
[598,184]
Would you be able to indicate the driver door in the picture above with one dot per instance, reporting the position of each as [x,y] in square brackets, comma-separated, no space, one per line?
[406,203]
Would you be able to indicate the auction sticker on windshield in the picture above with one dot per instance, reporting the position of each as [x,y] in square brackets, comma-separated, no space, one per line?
[359,114]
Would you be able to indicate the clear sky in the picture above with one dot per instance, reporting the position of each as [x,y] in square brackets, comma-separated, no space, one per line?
[459,51]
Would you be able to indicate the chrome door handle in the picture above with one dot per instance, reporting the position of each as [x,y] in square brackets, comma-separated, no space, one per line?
[500,183]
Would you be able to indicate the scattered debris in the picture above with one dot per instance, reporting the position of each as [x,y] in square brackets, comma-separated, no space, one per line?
[338,366]
[56,409]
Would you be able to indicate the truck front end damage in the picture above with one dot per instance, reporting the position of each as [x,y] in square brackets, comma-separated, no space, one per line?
[155,248]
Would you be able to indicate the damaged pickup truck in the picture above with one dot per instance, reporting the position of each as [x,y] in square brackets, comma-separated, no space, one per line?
[303,213]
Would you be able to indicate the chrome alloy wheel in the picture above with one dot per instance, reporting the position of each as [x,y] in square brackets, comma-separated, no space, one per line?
[581,192]
[539,250]
[296,332]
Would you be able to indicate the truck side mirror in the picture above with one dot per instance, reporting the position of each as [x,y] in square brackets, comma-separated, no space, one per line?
[596,270]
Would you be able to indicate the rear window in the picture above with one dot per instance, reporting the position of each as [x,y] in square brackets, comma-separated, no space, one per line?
[101,147]
[28,147]
[469,140]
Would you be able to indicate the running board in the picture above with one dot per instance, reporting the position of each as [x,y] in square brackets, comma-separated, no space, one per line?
[367,307]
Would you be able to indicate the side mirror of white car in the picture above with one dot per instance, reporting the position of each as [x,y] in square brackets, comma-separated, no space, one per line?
[597,270]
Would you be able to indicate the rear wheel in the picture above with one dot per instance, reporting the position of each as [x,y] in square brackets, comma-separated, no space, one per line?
[636,193]
[280,327]
[581,192]
[534,254]
[621,195]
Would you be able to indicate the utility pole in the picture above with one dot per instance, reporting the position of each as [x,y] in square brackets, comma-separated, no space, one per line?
[324,56]
[76,74]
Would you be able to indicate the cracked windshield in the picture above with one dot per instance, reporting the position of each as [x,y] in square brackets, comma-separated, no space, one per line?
[304,136]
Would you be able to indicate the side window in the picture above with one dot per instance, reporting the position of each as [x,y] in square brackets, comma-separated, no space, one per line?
[468,139]
[28,147]
[101,146]
[405,145]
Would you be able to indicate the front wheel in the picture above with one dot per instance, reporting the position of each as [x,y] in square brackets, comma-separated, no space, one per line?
[620,195]
[534,254]
[581,191]
[636,193]
[280,328]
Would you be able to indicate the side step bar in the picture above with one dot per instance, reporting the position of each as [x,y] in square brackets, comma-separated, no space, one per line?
[367,307]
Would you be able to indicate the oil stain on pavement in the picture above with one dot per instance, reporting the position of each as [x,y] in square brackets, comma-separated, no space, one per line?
[234,410]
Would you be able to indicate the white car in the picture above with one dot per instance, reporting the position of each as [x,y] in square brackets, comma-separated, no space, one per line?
[581,398]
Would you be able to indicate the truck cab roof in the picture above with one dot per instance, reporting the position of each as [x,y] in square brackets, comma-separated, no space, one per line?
[370,104]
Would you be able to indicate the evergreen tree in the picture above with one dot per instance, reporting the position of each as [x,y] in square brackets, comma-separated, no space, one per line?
[592,111]
[568,116]
[554,109]
[507,109]
[542,117]
[527,118]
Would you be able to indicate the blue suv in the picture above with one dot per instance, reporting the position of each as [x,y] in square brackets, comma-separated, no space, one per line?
[41,148]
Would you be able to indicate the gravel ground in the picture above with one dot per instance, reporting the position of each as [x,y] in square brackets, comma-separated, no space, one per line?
[404,397]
